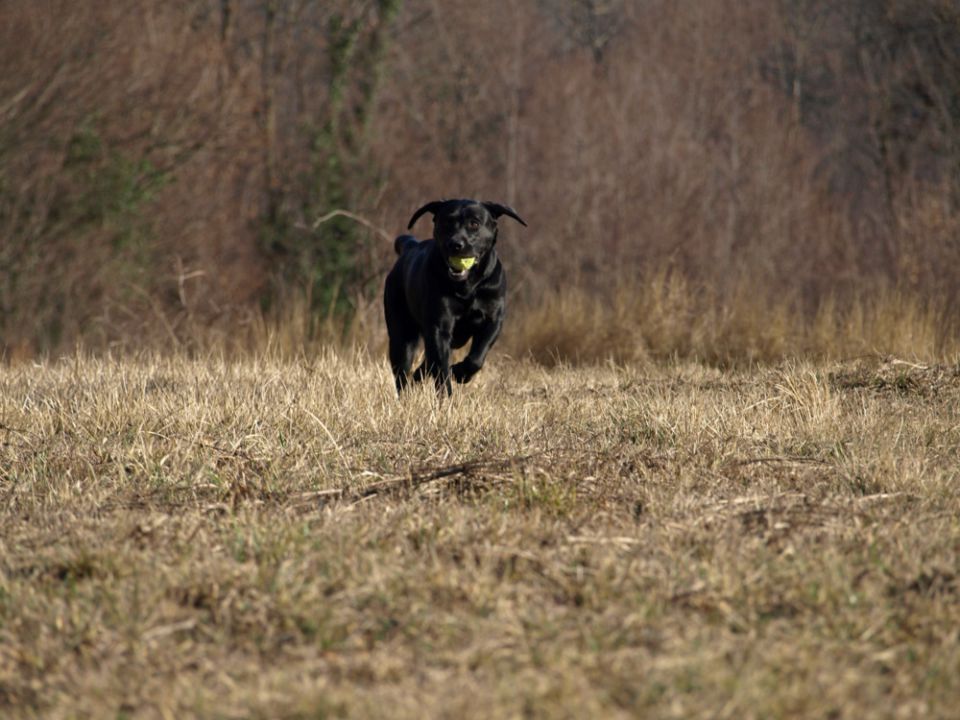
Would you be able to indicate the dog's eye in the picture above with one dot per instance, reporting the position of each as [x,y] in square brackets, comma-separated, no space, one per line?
[473,224]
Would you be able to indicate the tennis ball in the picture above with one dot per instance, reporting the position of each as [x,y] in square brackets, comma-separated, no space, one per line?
[462,263]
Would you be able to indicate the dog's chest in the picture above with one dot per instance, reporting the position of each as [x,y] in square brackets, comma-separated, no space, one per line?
[472,313]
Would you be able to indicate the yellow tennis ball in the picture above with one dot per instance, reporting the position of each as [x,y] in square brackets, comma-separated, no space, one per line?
[462,263]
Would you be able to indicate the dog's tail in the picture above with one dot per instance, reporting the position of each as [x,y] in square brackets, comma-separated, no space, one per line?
[404,243]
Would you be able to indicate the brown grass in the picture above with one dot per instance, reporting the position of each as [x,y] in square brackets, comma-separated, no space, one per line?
[665,318]
[284,538]
[662,318]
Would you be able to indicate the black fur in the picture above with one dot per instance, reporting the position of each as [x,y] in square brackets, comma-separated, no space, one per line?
[426,297]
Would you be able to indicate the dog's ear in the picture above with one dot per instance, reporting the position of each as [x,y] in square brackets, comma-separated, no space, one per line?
[431,207]
[496,209]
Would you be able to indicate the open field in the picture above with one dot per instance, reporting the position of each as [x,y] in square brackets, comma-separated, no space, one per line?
[273,538]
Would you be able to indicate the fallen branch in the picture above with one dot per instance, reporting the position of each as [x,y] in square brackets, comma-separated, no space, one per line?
[776,459]
[414,480]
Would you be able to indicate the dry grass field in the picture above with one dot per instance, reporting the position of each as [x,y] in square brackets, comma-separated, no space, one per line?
[273,538]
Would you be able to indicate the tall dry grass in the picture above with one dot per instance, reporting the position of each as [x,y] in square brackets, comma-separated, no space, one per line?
[663,319]
[666,319]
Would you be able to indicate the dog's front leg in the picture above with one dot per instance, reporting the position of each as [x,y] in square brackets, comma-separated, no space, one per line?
[464,370]
[436,346]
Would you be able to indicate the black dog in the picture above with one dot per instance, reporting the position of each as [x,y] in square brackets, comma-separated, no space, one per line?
[447,290]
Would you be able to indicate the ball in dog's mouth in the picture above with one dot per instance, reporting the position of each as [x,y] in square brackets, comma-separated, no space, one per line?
[460,266]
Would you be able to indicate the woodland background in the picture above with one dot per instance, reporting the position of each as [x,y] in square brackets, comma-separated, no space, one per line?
[727,178]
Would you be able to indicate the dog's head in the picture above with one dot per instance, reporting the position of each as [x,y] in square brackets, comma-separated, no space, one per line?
[465,231]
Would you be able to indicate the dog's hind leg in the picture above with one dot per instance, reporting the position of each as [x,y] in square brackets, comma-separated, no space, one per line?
[404,338]
[403,333]
[401,359]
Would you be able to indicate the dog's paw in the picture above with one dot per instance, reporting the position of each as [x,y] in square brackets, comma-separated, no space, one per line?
[464,370]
